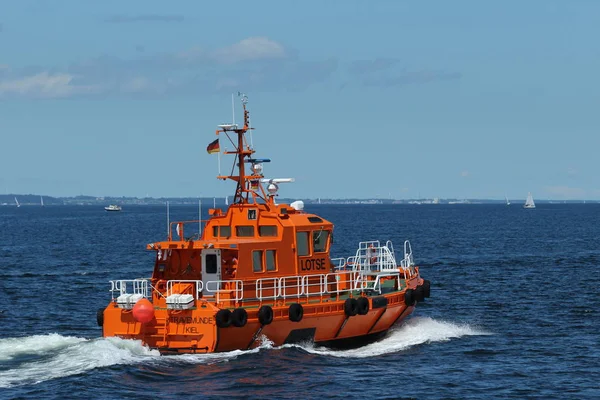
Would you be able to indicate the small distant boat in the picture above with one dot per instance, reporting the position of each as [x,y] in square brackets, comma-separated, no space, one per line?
[42,201]
[113,207]
[529,202]
[508,202]
[17,201]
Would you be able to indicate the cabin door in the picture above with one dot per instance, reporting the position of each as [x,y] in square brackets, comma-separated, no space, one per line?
[211,271]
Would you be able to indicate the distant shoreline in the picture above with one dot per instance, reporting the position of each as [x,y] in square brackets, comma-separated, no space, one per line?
[36,200]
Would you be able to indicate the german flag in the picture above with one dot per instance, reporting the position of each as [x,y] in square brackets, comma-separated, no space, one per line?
[213,147]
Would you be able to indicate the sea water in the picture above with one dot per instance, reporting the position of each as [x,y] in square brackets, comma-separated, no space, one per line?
[514,310]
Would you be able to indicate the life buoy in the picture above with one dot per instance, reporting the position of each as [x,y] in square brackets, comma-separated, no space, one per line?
[265,315]
[362,305]
[100,316]
[350,307]
[223,318]
[409,297]
[296,312]
[427,288]
[239,317]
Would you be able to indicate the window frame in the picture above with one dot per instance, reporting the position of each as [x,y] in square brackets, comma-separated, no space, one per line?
[308,246]
[260,259]
[325,245]
[274,252]
[237,230]
[261,234]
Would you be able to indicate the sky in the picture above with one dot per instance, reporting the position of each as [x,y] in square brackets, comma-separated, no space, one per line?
[353,99]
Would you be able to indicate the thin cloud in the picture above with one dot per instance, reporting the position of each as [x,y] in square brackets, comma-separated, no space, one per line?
[124,19]
[389,72]
[465,173]
[361,67]
[255,63]
[253,48]
[44,85]
[411,77]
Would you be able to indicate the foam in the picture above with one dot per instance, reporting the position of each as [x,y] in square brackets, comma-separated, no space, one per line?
[57,356]
[414,332]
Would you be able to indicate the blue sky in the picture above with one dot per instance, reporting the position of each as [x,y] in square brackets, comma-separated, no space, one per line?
[461,99]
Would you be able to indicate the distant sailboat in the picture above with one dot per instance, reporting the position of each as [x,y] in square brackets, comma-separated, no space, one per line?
[507,202]
[529,202]
[42,201]
[226,200]
[17,201]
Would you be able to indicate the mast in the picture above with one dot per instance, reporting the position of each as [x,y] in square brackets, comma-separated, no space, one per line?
[242,152]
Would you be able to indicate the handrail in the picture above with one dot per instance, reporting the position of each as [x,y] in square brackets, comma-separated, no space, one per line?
[364,271]
[224,286]
[338,263]
[283,286]
[138,286]
[181,225]
[260,288]
[321,284]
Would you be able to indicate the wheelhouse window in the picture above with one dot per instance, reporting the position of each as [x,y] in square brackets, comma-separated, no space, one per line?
[320,241]
[251,214]
[270,256]
[267,230]
[221,231]
[302,243]
[257,258]
[244,231]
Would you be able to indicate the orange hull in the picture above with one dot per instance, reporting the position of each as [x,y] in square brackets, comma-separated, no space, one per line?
[195,330]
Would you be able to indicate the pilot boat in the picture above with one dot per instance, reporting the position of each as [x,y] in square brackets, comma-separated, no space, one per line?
[261,270]
[112,207]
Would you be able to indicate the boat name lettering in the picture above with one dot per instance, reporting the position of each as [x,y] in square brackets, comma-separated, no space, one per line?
[313,264]
[192,320]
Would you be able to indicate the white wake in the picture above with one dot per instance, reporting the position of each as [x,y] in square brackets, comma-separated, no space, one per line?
[414,332]
[35,359]
[53,356]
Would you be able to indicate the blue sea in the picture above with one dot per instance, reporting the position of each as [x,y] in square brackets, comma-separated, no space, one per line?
[514,310]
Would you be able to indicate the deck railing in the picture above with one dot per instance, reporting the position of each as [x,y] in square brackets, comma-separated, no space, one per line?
[123,286]
[366,271]
[231,289]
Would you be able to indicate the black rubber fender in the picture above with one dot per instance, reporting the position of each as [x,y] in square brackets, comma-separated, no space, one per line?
[239,317]
[420,294]
[223,318]
[379,302]
[296,312]
[100,316]
[427,288]
[363,305]
[409,297]
[265,315]
[350,307]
